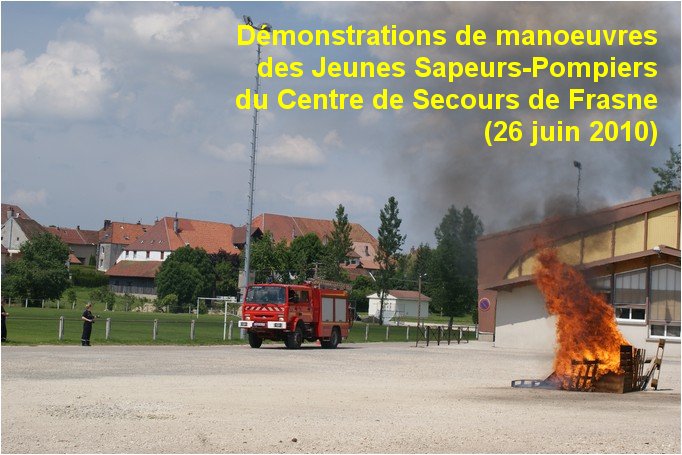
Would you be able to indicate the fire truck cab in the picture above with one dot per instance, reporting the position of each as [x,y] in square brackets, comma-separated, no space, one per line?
[294,313]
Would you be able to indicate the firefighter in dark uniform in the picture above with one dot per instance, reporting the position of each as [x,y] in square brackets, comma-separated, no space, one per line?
[88,319]
[4,323]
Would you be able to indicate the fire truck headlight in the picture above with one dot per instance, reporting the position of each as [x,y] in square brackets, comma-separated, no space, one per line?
[281,318]
[248,318]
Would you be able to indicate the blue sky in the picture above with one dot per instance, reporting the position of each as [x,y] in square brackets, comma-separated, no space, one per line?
[125,111]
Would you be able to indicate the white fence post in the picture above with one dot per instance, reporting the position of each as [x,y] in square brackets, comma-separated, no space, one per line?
[107,329]
[366,332]
[42,303]
[58,304]
[26,306]
[387,332]
[191,329]
[229,334]
[407,334]
[155,329]
[61,328]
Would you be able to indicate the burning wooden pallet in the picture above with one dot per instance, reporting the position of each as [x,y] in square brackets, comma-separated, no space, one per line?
[583,377]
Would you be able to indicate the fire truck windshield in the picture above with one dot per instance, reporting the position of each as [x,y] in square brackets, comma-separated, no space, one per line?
[265,294]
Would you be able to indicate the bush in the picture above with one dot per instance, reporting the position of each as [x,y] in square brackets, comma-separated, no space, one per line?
[88,277]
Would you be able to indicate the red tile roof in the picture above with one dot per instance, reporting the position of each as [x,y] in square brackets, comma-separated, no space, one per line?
[287,228]
[72,236]
[31,228]
[209,235]
[145,269]
[17,210]
[73,259]
[122,233]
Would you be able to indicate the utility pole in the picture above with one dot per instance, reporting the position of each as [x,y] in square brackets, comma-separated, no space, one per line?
[579,166]
[419,298]
[252,171]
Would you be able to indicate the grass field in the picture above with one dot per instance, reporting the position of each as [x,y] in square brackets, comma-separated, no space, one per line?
[35,326]
[40,325]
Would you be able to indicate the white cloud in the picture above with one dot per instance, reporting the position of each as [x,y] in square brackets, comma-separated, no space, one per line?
[166,26]
[183,109]
[369,117]
[68,81]
[303,196]
[28,198]
[232,153]
[288,149]
[332,139]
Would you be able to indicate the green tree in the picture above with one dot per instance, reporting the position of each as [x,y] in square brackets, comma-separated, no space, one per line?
[304,252]
[339,244]
[41,271]
[103,294]
[668,176]
[453,272]
[226,268]
[187,273]
[269,260]
[181,279]
[71,297]
[362,287]
[390,245]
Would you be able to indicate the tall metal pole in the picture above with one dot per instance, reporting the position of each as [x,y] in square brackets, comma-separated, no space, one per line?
[252,172]
[419,300]
[578,165]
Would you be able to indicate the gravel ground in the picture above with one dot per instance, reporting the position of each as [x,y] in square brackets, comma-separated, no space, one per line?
[360,398]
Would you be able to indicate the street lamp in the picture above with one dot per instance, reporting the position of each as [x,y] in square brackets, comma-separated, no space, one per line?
[419,298]
[579,166]
[247,259]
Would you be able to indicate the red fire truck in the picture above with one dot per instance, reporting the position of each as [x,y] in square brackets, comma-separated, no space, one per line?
[294,313]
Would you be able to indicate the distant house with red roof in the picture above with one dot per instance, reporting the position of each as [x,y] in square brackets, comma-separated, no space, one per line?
[13,211]
[17,228]
[113,238]
[82,242]
[287,228]
[139,261]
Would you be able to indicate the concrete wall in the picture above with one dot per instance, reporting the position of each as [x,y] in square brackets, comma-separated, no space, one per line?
[523,322]
[403,307]
[142,256]
[12,235]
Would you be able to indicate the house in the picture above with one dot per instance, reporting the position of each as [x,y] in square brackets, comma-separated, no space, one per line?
[157,243]
[82,243]
[287,228]
[113,238]
[630,253]
[400,303]
[17,230]
[134,277]
[12,211]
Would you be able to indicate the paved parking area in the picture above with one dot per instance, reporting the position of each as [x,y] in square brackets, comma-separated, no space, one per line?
[360,398]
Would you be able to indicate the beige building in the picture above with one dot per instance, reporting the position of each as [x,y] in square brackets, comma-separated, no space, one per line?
[630,253]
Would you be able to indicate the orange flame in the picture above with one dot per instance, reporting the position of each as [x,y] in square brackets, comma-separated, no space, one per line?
[586,325]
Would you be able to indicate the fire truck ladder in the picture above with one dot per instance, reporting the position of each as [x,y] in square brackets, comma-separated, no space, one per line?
[655,370]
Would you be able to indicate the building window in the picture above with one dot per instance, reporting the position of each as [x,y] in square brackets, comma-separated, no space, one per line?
[162,254]
[629,295]
[664,302]
[366,250]
[127,254]
[147,254]
[602,286]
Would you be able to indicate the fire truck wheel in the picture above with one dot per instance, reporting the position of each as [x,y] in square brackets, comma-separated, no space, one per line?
[254,340]
[294,339]
[334,339]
